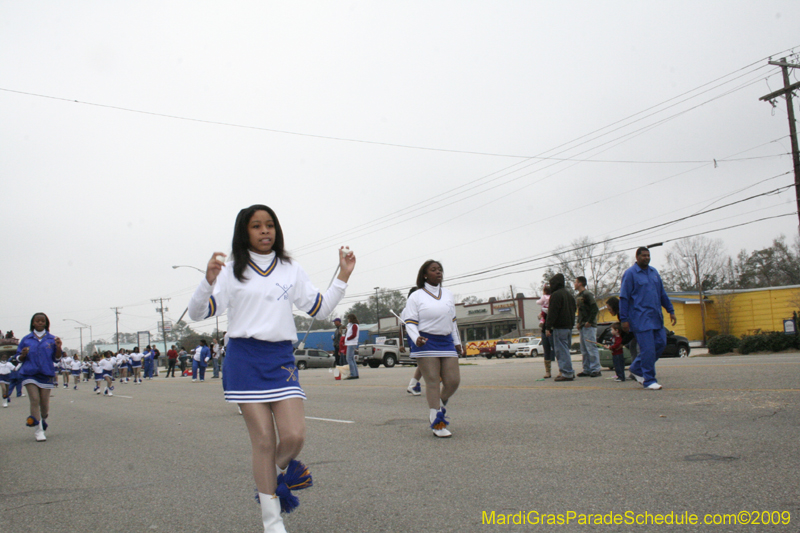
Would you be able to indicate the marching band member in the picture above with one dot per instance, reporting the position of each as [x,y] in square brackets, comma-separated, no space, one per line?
[258,288]
[430,318]
[37,352]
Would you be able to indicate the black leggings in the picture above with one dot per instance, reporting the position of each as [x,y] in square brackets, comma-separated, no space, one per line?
[171,368]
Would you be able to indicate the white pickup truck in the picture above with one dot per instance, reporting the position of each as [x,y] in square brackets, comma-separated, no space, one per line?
[387,353]
[511,348]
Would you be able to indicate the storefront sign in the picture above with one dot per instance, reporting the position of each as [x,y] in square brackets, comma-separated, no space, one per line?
[476,311]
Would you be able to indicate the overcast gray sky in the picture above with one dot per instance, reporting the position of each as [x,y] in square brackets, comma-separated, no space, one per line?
[408,130]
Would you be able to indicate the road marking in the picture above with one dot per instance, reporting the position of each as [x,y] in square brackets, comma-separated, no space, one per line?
[331,420]
[121,396]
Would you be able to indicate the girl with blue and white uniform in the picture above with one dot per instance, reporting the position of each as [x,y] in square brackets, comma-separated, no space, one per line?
[86,365]
[430,318]
[122,365]
[65,364]
[136,365]
[6,367]
[37,352]
[75,366]
[259,288]
[107,368]
[97,370]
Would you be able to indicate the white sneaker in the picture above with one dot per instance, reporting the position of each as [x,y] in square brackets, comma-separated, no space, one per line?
[439,430]
[442,433]
[654,386]
[5,403]
[39,433]
[416,390]
[640,379]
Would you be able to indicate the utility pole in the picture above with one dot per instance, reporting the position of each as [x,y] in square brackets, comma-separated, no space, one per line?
[163,324]
[516,314]
[787,90]
[702,300]
[81,328]
[377,316]
[116,314]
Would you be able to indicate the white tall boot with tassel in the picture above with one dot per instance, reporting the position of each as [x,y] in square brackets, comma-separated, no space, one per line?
[271,513]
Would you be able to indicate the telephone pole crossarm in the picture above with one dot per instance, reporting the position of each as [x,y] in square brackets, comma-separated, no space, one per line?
[788,89]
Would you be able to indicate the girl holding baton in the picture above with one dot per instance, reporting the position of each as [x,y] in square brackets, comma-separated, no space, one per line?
[259,288]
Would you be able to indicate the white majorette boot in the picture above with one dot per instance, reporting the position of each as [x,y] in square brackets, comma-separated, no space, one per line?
[271,513]
[39,432]
[439,424]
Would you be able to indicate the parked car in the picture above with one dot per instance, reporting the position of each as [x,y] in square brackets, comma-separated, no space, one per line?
[312,358]
[532,349]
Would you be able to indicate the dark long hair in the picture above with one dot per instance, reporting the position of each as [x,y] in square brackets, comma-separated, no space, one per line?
[47,321]
[422,269]
[240,246]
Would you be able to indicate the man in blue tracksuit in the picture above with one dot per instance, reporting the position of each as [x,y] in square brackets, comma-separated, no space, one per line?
[641,298]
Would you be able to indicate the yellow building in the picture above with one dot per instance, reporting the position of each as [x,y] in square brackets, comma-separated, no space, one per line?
[747,311]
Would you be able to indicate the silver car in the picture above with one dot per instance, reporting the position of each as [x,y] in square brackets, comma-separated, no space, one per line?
[312,358]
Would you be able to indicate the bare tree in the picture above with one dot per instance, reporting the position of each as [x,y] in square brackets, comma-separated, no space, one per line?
[599,263]
[723,307]
[688,257]
[775,266]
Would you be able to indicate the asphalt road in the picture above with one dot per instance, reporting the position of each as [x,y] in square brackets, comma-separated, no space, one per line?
[170,455]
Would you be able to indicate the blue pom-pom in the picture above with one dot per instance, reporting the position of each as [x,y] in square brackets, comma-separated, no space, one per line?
[31,422]
[44,424]
[440,422]
[297,476]
[258,499]
[289,501]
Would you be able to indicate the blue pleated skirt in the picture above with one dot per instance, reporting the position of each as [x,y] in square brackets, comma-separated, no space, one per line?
[256,371]
[437,346]
[42,381]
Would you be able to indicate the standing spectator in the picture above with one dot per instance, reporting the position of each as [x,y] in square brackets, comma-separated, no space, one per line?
[172,358]
[547,342]
[215,354]
[559,323]
[587,327]
[640,301]
[617,352]
[200,361]
[147,356]
[156,357]
[183,357]
[628,338]
[337,334]
[351,341]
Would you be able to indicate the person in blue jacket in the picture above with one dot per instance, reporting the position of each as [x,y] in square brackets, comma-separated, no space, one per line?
[37,352]
[641,298]
[148,362]
[200,361]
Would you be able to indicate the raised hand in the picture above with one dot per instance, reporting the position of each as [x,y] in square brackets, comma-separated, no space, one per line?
[214,267]
[347,262]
